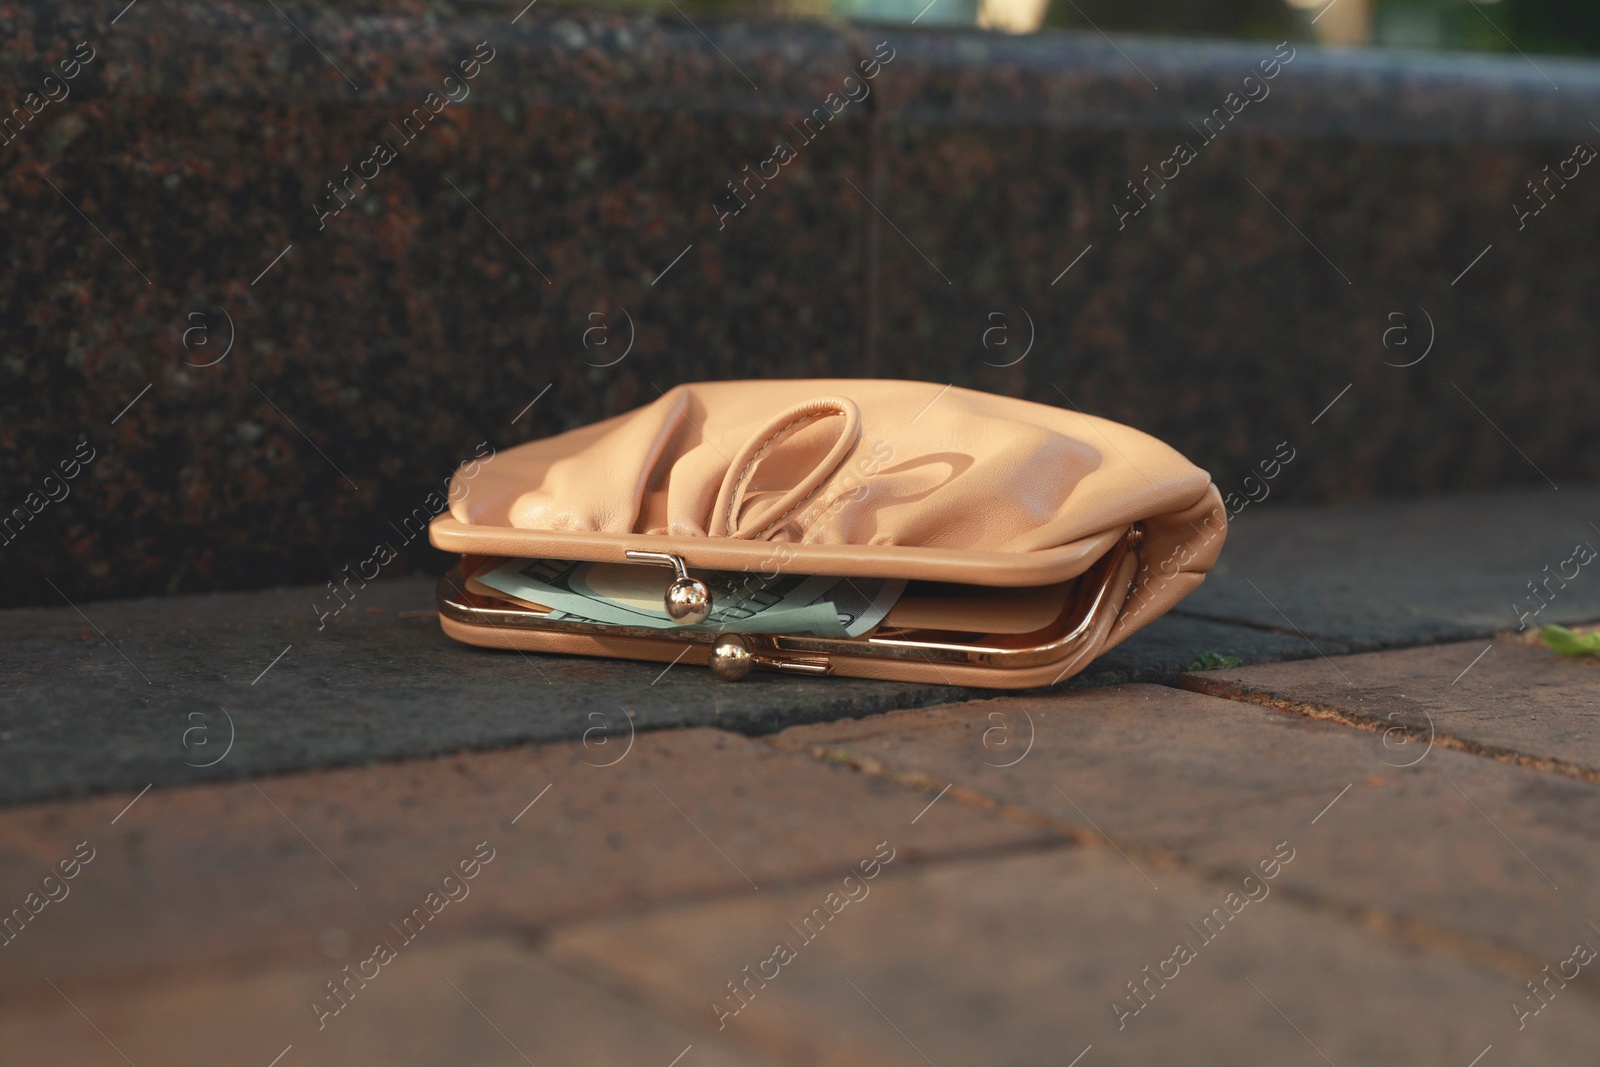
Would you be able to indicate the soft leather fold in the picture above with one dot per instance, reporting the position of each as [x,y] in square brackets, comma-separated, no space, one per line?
[891,470]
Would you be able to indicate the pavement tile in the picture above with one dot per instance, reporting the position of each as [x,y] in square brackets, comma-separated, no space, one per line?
[1506,697]
[1017,960]
[188,675]
[1434,845]
[1404,573]
[294,868]
[484,1002]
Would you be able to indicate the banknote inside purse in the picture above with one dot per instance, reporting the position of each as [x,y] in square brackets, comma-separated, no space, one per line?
[945,606]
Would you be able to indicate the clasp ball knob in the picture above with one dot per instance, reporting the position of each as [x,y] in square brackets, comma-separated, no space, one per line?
[731,658]
[688,601]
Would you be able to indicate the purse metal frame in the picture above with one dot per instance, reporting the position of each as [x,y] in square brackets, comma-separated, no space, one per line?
[1089,600]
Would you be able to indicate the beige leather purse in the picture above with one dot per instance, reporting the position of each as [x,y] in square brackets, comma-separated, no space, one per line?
[1029,539]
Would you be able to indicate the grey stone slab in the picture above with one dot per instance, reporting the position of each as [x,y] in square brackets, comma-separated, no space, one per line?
[382,682]
[378,683]
[1168,647]
[1429,843]
[1391,573]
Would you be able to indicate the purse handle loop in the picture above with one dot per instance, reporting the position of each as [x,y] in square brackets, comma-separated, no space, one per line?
[730,498]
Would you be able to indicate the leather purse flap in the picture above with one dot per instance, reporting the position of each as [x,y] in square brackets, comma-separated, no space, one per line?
[848,477]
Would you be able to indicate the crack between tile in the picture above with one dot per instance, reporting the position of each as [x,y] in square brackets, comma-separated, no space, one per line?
[1245,695]
[1251,624]
[1338,645]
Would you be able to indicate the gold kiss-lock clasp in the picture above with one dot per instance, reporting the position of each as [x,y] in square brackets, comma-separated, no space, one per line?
[687,600]
[732,657]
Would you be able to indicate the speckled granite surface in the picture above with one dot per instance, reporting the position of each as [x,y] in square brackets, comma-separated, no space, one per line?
[578,193]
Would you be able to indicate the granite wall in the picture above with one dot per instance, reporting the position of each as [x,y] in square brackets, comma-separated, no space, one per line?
[253,375]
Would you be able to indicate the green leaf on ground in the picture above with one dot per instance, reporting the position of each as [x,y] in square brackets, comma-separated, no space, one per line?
[1214,661]
[1565,642]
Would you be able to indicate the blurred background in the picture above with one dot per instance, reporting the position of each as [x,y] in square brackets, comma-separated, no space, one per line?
[1554,26]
